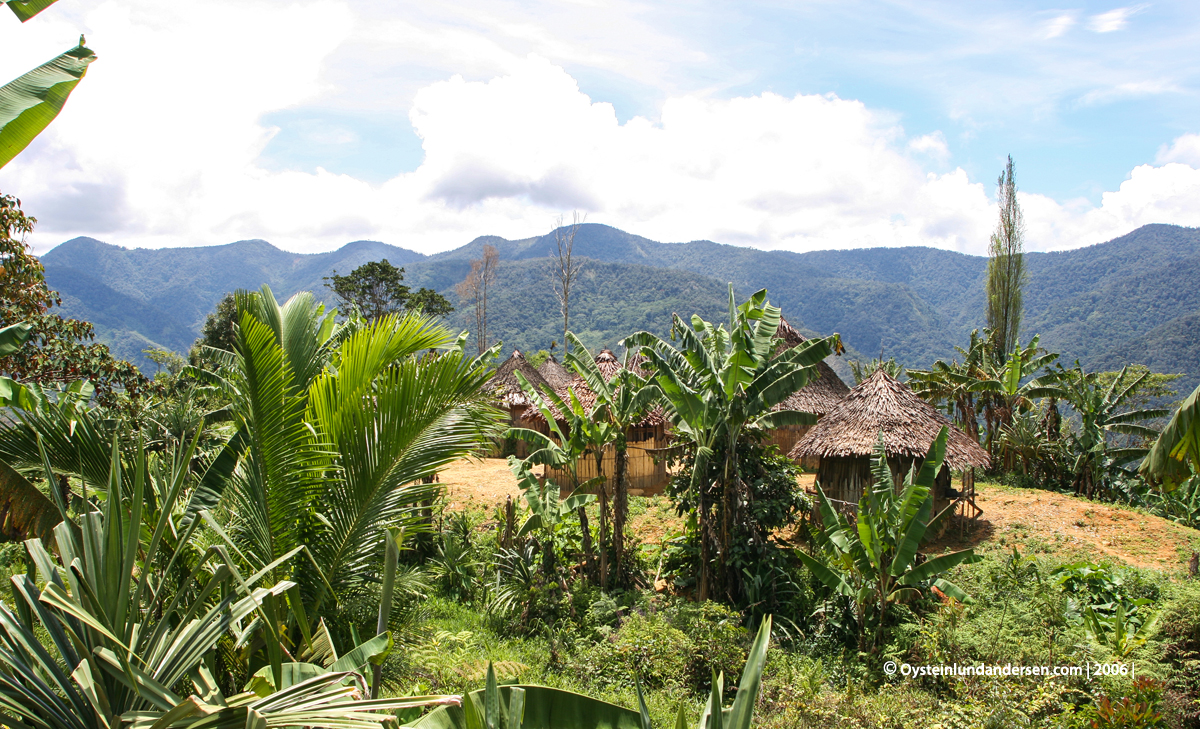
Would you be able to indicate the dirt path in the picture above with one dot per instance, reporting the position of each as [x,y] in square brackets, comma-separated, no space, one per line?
[1045,522]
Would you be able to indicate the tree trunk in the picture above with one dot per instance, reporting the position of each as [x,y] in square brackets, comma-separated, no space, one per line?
[702,526]
[589,549]
[620,511]
[603,520]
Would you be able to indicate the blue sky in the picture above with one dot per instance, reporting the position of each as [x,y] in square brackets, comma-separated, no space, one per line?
[795,125]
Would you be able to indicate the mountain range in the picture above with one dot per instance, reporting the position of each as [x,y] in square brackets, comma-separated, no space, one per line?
[1132,299]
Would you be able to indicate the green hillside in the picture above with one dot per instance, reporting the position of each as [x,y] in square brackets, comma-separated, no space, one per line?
[1131,299]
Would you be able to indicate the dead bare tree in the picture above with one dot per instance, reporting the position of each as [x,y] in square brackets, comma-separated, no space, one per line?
[564,267]
[473,290]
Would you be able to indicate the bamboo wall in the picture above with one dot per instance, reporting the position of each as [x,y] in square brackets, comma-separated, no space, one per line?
[786,437]
[845,479]
[642,473]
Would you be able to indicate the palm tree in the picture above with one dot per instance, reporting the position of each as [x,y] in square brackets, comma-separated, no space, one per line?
[333,424]
[721,383]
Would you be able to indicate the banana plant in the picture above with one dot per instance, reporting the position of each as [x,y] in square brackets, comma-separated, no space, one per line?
[623,401]
[723,381]
[31,101]
[574,433]
[548,513]
[872,557]
[1177,447]
[1117,632]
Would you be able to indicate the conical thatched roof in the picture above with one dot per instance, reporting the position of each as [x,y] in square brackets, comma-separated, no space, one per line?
[883,404]
[556,374]
[505,386]
[609,366]
[818,396]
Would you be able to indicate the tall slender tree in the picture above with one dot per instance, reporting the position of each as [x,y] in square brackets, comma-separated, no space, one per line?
[473,290]
[1006,267]
[565,267]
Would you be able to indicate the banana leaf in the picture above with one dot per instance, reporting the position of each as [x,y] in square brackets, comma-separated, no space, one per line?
[29,103]
[545,708]
[26,9]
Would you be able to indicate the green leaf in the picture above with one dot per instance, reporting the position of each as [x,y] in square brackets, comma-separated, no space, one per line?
[29,103]
[937,565]
[13,336]
[643,710]
[742,713]
[26,9]
[373,651]
[31,514]
[545,708]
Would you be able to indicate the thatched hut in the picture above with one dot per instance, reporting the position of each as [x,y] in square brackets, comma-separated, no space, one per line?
[645,474]
[845,438]
[506,390]
[556,374]
[818,397]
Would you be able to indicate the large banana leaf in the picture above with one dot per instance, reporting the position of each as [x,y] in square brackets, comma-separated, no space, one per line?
[26,9]
[29,103]
[545,708]
[1178,443]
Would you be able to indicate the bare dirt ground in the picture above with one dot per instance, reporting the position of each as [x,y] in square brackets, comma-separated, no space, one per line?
[1037,522]
[479,483]
[1045,522]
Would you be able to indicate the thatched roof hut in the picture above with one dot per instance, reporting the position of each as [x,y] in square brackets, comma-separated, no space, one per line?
[556,374]
[883,404]
[609,365]
[819,396]
[845,438]
[505,386]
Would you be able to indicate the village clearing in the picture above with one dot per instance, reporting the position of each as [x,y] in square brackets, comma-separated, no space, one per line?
[1037,522]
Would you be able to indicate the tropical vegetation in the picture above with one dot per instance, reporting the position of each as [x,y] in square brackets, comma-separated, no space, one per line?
[260,537]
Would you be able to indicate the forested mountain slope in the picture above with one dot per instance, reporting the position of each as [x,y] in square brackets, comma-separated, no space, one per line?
[1131,299]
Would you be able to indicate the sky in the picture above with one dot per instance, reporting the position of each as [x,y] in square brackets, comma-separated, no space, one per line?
[778,125]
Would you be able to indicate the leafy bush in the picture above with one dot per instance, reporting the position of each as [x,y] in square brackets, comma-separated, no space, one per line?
[1179,633]
[1138,710]
[672,644]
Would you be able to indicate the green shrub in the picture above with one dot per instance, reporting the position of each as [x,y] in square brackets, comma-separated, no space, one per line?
[1140,709]
[667,643]
[646,647]
[1179,633]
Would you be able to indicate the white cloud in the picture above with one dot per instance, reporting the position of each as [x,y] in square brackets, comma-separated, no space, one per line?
[1057,26]
[160,146]
[933,144]
[1114,19]
[1185,149]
